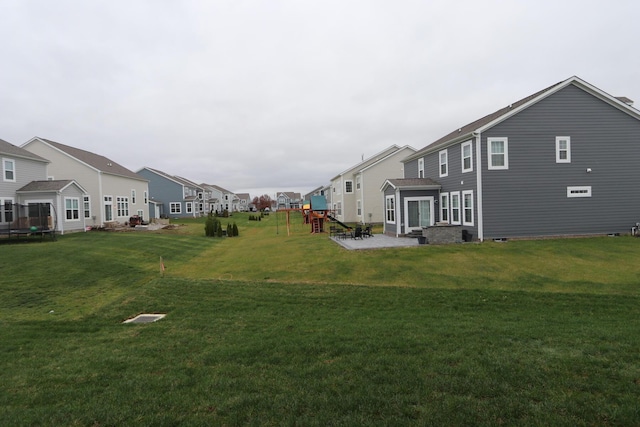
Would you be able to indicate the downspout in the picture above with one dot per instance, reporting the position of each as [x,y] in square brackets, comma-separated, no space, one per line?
[479,185]
[101,201]
[397,212]
[59,214]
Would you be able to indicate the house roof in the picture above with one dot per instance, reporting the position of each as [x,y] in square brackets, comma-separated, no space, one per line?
[48,186]
[217,187]
[174,178]
[6,148]
[469,130]
[290,195]
[369,161]
[245,196]
[96,161]
[412,183]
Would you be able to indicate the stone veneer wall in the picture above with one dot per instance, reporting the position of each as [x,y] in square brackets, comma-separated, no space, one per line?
[440,234]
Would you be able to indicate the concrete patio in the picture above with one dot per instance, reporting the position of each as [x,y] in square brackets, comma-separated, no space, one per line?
[377,241]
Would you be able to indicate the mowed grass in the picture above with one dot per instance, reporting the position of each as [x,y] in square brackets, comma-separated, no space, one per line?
[522,333]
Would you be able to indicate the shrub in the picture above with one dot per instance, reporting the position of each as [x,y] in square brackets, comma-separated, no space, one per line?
[235,229]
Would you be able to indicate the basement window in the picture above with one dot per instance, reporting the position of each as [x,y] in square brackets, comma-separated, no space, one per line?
[583,191]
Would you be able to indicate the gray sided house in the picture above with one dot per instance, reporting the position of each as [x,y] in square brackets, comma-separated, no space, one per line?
[26,193]
[173,196]
[561,162]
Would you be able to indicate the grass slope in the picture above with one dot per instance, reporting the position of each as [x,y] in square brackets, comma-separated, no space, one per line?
[493,337]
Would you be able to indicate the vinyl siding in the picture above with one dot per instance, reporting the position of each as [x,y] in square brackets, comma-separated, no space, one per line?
[530,198]
[25,172]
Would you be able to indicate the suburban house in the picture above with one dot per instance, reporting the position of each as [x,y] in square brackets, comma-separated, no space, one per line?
[28,198]
[288,200]
[355,192]
[244,200]
[221,199]
[318,191]
[560,162]
[113,192]
[176,197]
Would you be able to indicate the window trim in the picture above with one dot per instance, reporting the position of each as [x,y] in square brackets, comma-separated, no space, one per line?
[470,157]
[444,207]
[188,208]
[133,196]
[455,195]
[358,182]
[86,205]
[578,191]
[122,207]
[176,211]
[107,201]
[505,153]
[4,169]
[421,167]
[466,208]
[559,150]
[445,163]
[346,186]
[4,202]
[359,208]
[390,208]
[75,211]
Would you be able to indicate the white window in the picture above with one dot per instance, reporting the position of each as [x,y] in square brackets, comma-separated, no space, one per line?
[444,207]
[175,207]
[455,207]
[467,207]
[133,196]
[140,213]
[358,182]
[122,206]
[421,168]
[9,170]
[444,164]
[72,208]
[359,207]
[390,209]
[146,197]
[498,153]
[86,206]
[108,208]
[348,187]
[581,191]
[467,157]
[339,211]
[563,149]
[189,207]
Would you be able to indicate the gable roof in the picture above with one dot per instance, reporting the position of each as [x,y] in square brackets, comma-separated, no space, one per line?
[469,130]
[371,160]
[178,180]
[6,148]
[49,186]
[411,183]
[95,161]
[217,187]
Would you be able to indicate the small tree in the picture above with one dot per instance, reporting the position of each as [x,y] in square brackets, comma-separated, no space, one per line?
[219,230]
[210,226]
[229,230]
[235,229]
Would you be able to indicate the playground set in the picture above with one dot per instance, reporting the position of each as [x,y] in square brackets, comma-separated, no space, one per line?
[316,213]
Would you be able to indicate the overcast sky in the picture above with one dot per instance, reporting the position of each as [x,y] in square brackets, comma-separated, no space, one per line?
[259,96]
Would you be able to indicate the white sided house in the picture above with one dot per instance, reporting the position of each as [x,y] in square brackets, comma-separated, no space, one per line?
[355,192]
[114,193]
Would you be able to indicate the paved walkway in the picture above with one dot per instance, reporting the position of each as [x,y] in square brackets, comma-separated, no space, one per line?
[377,241]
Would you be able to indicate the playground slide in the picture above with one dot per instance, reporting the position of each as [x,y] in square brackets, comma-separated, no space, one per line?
[340,223]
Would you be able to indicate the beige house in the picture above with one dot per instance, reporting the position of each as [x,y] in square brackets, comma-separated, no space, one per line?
[355,193]
[113,192]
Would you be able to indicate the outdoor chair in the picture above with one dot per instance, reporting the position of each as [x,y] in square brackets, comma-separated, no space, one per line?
[357,234]
[367,231]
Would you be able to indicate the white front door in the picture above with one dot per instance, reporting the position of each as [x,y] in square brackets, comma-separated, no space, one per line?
[418,213]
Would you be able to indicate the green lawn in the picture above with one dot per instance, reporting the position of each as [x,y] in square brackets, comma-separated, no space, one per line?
[277,328]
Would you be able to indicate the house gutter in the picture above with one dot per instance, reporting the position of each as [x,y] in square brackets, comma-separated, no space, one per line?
[478,136]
